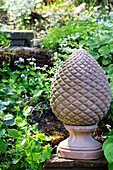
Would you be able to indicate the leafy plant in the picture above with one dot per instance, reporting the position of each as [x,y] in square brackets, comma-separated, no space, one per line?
[108,149]
[21,85]
[4,42]
[19,11]
[21,145]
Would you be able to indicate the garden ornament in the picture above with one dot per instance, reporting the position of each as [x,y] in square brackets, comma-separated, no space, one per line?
[80,97]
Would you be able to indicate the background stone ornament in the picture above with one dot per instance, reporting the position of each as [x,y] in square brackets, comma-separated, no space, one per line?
[80,97]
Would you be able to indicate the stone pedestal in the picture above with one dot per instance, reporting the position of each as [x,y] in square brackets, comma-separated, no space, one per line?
[56,163]
[80,144]
[80,97]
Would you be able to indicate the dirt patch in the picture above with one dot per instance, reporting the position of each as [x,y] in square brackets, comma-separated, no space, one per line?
[42,58]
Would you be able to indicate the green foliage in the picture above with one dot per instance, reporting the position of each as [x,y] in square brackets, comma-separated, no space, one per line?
[4,42]
[92,2]
[89,2]
[108,149]
[73,32]
[19,11]
[21,145]
[22,85]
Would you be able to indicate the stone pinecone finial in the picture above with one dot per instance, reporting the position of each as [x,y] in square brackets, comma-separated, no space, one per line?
[80,92]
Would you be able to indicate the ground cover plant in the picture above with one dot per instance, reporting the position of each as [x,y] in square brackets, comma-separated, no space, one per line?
[21,86]
[4,42]
[21,146]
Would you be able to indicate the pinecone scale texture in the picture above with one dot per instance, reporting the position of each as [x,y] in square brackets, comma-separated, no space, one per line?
[80,92]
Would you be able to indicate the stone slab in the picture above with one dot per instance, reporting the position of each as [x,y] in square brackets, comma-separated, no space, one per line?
[20,48]
[56,163]
[19,34]
[35,42]
[17,43]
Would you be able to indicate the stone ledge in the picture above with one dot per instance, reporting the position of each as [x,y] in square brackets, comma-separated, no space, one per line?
[31,49]
[56,163]
[19,34]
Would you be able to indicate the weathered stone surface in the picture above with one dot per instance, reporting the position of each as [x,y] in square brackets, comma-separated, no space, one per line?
[19,35]
[35,42]
[80,97]
[56,163]
[80,92]
[17,43]
[80,144]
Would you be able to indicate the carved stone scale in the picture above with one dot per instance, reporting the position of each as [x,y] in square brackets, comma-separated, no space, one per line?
[80,97]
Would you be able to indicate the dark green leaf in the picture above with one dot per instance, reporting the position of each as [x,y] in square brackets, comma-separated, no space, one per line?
[19,121]
[108,149]
[82,43]
[106,39]
[10,122]
[110,166]
[104,50]
[7,101]
[111,48]
[111,133]
[36,157]
[3,146]
[95,55]
[106,61]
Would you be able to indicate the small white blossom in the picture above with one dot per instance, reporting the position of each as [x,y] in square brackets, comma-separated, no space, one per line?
[28,59]
[33,59]
[21,59]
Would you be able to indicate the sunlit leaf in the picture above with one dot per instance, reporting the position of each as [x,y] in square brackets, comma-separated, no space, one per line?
[2,132]
[104,50]
[40,136]
[16,160]
[14,133]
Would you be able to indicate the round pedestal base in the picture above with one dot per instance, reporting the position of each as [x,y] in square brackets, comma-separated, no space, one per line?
[80,144]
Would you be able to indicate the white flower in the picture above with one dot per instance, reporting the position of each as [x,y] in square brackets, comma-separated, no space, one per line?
[21,59]
[28,59]
[22,75]
[33,59]
[31,63]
